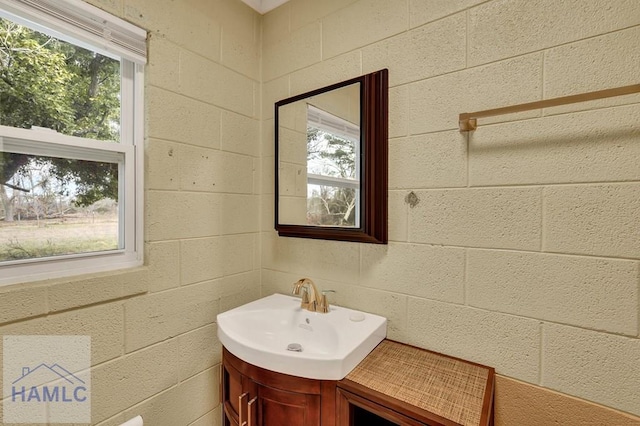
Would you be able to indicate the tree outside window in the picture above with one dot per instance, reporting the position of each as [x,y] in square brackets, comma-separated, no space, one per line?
[56,205]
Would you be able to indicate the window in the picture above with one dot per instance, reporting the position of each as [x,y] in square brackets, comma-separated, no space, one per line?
[71,140]
[333,170]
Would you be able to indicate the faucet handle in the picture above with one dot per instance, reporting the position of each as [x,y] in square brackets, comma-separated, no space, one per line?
[324,303]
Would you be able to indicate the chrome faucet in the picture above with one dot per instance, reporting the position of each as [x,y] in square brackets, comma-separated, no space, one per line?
[311,299]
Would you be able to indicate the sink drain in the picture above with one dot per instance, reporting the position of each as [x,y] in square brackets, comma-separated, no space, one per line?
[294,347]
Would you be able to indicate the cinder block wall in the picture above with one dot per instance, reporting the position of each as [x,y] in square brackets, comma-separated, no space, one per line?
[154,345]
[522,252]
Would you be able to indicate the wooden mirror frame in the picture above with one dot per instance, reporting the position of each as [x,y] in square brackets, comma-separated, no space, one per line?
[374,109]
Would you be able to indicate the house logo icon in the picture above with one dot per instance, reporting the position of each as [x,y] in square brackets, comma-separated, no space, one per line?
[48,383]
[47,379]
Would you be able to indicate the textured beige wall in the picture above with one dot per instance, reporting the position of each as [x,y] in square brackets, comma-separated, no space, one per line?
[292,168]
[521,254]
[523,250]
[154,345]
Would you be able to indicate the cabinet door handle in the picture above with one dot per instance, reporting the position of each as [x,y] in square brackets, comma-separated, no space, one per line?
[242,409]
[253,415]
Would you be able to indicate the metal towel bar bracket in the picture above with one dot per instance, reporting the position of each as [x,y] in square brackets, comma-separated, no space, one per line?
[469,120]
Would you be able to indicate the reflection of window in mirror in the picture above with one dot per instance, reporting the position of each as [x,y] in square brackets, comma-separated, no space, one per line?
[333,169]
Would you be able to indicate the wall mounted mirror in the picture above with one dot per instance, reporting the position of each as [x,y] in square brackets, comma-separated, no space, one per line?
[331,161]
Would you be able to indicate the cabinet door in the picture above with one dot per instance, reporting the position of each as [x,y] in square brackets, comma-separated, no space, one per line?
[253,396]
[231,391]
[277,408]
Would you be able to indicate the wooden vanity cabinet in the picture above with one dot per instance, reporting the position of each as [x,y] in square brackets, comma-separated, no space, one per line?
[398,384]
[395,385]
[253,396]
[356,410]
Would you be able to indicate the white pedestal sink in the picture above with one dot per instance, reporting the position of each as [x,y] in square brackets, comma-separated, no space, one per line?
[332,344]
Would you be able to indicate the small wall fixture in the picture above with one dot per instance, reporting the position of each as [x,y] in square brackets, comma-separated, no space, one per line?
[469,120]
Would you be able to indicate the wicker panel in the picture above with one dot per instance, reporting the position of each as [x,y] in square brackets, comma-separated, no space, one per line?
[448,387]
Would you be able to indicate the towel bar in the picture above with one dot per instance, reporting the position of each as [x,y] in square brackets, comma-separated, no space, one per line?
[469,120]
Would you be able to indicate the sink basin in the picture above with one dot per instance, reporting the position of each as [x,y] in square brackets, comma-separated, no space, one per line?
[332,344]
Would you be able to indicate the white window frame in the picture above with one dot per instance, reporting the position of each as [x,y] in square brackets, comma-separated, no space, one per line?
[87,26]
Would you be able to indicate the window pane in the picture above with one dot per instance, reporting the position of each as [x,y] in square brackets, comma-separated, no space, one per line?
[330,155]
[331,206]
[333,156]
[55,206]
[46,82]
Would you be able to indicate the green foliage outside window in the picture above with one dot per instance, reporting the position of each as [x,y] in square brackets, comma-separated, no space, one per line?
[49,83]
